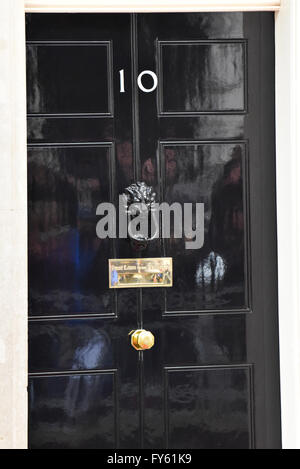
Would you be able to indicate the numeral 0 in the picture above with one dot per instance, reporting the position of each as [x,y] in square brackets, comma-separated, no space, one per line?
[139,81]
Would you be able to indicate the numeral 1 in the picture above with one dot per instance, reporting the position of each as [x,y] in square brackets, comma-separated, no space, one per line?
[122,81]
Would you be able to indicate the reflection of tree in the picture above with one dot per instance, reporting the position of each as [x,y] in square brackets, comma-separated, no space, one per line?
[211,271]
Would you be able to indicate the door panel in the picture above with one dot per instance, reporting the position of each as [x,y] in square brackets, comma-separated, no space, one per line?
[216,403]
[69,78]
[214,278]
[78,411]
[205,135]
[210,77]
[225,158]
[83,381]
[65,187]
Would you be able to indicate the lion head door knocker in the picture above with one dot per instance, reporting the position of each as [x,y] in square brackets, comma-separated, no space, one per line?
[140,206]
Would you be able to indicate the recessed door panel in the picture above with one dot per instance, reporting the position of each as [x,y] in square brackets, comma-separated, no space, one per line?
[75,411]
[218,398]
[65,186]
[210,77]
[214,173]
[69,78]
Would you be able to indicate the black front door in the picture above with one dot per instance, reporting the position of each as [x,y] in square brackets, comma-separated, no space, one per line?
[204,134]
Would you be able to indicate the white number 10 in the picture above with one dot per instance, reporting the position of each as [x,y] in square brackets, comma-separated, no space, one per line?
[139,81]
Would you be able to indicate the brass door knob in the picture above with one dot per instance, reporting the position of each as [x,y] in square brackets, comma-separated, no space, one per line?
[141,339]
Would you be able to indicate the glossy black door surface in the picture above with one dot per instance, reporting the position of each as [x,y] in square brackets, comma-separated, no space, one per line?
[205,135]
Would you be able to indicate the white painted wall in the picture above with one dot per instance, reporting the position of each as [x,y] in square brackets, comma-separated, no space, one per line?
[288,213]
[13,228]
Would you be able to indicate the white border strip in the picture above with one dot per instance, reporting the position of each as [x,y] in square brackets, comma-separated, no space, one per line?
[13,227]
[122,6]
[288,214]
[288,199]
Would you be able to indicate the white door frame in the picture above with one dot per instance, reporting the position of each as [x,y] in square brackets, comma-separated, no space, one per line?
[102,6]
[13,191]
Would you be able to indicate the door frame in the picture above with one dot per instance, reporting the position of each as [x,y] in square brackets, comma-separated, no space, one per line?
[13,190]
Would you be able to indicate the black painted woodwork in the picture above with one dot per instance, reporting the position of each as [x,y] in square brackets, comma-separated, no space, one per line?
[205,135]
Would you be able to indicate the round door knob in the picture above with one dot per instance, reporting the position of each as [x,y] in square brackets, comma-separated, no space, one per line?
[141,339]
